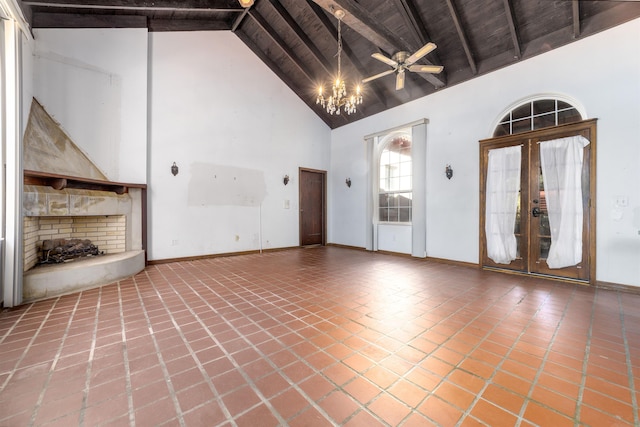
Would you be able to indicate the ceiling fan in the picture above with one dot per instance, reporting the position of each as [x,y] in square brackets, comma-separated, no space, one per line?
[402,61]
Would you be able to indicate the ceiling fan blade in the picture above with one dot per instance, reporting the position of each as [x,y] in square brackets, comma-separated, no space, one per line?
[381,57]
[400,80]
[384,73]
[420,53]
[434,69]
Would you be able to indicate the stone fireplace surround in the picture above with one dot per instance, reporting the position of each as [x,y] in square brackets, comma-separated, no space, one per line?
[66,195]
[110,220]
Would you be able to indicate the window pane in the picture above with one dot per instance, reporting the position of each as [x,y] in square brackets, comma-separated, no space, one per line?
[405,183]
[544,121]
[383,200]
[384,214]
[563,105]
[521,126]
[405,169]
[569,116]
[502,129]
[404,214]
[404,199]
[544,106]
[521,111]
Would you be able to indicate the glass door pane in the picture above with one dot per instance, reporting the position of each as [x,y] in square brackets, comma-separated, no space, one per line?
[540,230]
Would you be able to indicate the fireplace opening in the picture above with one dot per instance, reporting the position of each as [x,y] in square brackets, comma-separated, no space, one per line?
[54,240]
[56,251]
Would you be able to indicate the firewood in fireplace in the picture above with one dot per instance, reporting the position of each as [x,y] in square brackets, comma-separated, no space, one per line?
[55,251]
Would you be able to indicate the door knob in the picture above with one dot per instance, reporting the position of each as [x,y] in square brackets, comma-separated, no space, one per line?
[536,211]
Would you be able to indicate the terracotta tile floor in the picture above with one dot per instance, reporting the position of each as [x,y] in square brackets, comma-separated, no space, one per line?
[321,337]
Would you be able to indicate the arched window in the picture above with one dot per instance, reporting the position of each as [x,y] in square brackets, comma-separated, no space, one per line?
[395,186]
[537,113]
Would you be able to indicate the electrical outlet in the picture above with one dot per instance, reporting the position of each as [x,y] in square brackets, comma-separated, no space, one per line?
[622,201]
[174,242]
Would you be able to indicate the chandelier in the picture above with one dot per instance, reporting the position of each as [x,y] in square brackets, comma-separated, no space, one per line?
[339,99]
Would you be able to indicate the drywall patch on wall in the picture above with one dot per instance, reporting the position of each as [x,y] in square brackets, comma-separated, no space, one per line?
[220,185]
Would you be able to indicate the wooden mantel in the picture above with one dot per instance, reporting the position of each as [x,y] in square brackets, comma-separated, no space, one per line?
[60,182]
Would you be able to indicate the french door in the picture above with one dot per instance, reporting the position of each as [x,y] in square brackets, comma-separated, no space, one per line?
[532,229]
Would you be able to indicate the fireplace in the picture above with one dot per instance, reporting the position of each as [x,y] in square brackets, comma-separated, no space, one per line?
[67,197]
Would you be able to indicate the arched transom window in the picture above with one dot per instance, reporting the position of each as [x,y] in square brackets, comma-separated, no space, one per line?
[537,114]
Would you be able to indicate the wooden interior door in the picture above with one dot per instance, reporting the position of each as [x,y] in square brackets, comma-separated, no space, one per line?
[312,207]
[532,229]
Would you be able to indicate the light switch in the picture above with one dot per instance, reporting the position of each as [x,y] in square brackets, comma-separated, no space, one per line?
[286,204]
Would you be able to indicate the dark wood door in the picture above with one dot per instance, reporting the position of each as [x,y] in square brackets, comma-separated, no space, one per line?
[312,207]
[532,229]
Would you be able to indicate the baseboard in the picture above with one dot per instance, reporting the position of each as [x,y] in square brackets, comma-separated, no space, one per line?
[355,248]
[618,287]
[220,255]
[454,262]
[440,260]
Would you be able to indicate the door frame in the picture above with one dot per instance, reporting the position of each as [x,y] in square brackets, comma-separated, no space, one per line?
[586,128]
[322,173]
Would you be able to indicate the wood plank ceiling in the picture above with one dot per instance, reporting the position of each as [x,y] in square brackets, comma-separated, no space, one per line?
[297,39]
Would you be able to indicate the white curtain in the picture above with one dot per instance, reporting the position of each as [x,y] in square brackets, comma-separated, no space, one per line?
[561,161]
[503,187]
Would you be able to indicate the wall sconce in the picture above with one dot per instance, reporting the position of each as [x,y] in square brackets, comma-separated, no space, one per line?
[174,169]
[285,179]
[348,182]
[448,171]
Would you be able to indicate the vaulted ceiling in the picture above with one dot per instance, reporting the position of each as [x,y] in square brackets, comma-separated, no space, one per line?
[297,39]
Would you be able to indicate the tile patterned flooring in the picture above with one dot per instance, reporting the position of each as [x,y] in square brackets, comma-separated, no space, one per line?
[321,337]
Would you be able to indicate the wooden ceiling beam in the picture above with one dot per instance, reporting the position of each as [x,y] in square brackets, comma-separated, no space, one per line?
[364,24]
[411,16]
[158,25]
[302,36]
[74,20]
[463,38]
[143,5]
[273,35]
[239,20]
[575,7]
[281,74]
[511,21]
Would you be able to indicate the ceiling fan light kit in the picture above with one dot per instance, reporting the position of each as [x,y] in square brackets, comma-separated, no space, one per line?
[402,61]
[339,99]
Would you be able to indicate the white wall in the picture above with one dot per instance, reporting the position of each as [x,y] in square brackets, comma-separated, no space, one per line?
[234,130]
[601,72]
[94,83]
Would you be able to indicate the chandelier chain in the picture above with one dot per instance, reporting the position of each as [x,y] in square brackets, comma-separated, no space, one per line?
[339,48]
